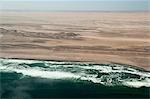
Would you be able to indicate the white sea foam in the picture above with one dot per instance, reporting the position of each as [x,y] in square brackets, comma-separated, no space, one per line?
[17,61]
[37,72]
[105,69]
[47,74]
[63,71]
[137,84]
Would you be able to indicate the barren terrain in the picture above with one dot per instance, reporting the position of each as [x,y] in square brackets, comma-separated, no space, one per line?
[104,37]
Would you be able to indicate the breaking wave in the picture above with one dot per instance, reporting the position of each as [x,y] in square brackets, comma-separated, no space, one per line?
[105,74]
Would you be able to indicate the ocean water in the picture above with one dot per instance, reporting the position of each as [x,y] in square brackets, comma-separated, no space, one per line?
[27,79]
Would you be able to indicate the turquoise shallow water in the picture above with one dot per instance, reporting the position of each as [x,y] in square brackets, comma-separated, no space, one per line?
[25,79]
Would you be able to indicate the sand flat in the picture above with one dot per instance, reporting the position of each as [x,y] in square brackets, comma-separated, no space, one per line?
[80,36]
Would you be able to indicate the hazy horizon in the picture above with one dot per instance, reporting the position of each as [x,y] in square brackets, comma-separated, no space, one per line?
[75,5]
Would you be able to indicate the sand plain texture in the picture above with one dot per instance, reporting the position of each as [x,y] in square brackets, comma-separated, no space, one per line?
[99,37]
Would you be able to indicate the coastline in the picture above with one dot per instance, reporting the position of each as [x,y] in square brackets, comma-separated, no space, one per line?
[77,49]
[78,61]
[87,37]
[102,74]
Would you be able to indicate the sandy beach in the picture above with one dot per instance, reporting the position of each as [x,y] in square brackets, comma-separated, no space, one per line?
[99,37]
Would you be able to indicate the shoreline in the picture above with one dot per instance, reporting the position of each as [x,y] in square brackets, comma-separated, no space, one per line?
[82,37]
[88,62]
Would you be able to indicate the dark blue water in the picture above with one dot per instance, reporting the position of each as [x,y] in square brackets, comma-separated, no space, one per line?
[27,79]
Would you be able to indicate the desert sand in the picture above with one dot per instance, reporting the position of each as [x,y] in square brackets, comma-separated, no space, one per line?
[99,37]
